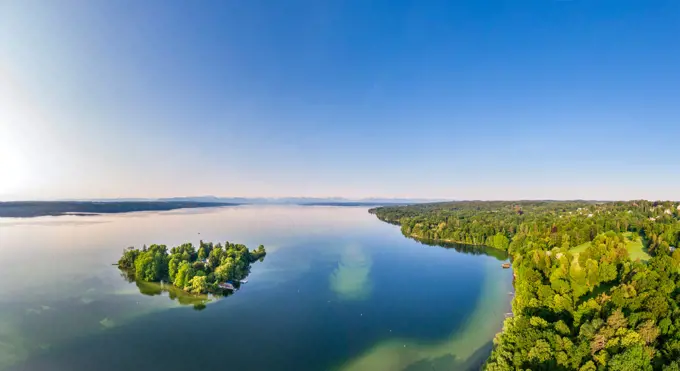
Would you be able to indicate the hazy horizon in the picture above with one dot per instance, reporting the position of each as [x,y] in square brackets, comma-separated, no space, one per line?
[231,197]
[461,100]
[329,199]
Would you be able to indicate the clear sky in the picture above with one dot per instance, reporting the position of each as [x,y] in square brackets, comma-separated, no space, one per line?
[436,99]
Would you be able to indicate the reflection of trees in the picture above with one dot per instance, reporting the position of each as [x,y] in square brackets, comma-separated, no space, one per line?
[173,293]
[127,275]
[466,249]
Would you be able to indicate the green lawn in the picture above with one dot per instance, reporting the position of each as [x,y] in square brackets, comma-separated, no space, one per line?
[635,249]
[580,248]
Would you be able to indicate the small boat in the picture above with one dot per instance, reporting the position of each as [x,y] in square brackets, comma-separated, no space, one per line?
[244,281]
[505,265]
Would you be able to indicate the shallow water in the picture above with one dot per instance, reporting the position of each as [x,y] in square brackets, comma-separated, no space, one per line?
[338,289]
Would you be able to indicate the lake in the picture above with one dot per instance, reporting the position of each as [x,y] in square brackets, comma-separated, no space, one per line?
[338,290]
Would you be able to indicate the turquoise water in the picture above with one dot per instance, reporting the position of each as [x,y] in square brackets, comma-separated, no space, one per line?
[338,290]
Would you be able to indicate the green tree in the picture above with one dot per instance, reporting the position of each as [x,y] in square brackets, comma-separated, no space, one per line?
[500,241]
[173,266]
[127,261]
[632,359]
[199,284]
[183,275]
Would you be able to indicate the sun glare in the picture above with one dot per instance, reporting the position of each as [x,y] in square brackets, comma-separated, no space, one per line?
[13,170]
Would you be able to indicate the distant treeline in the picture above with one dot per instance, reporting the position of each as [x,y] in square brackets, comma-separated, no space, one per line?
[24,209]
[515,226]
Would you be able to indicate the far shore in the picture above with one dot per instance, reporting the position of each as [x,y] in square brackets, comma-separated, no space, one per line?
[29,209]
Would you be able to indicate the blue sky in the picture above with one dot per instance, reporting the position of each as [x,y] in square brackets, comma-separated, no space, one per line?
[438,99]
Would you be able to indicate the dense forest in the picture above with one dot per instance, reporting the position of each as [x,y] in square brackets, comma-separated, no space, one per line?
[210,269]
[597,285]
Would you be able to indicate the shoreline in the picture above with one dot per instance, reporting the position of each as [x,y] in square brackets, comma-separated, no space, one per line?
[468,347]
[480,321]
[436,240]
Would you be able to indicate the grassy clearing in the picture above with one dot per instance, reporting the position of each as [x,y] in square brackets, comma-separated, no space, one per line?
[636,249]
[580,248]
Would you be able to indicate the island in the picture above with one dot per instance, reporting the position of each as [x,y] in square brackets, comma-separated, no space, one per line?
[597,284]
[213,268]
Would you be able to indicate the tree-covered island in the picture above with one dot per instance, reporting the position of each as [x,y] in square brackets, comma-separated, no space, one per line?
[597,284]
[213,268]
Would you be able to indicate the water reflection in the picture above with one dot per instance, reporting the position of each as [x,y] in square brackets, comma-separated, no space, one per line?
[350,279]
[173,293]
[198,301]
[467,249]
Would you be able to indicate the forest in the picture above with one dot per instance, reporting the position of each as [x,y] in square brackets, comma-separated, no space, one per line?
[597,284]
[201,271]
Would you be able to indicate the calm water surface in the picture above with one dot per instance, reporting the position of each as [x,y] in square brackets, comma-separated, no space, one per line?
[338,290]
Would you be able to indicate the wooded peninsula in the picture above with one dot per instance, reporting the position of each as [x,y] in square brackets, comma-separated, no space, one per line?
[597,284]
[213,268]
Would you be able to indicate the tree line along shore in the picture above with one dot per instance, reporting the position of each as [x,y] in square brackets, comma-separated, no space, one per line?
[597,284]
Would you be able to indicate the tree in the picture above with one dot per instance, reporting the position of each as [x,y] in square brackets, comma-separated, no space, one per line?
[632,359]
[215,257]
[183,275]
[173,266]
[127,261]
[224,272]
[500,241]
[648,331]
[199,284]
[144,267]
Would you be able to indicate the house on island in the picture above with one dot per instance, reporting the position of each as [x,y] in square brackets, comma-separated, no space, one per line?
[227,286]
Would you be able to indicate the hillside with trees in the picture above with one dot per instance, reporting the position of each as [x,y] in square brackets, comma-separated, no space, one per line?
[581,302]
[206,270]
